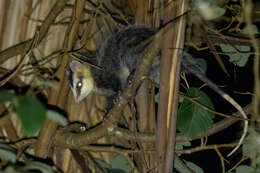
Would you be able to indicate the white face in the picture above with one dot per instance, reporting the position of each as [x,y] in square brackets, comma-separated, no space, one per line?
[81,88]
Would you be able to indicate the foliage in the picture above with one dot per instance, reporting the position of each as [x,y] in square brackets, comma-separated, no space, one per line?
[119,165]
[7,153]
[238,54]
[31,112]
[6,96]
[215,27]
[193,120]
[208,10]
[18,165]
[245,169]
[179,166]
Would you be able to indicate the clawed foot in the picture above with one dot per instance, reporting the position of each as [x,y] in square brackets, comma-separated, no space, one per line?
[130,79]
[116,100]
[111,102]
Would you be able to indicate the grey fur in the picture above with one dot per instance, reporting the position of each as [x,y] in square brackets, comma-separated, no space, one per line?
[121,53]
[119,56]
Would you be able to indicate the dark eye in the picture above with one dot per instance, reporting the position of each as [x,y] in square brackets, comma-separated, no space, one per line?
[79,85]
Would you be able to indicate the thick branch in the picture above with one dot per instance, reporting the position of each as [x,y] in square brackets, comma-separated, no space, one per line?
[67,139]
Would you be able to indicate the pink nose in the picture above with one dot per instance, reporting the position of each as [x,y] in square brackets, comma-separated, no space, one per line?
[77,100]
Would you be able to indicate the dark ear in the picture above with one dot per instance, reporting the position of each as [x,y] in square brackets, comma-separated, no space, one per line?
[75,66]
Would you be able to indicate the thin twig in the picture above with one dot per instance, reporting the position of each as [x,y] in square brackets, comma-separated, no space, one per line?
[193,100]
[19,66]
[222,159]
[207,147]
[24,46]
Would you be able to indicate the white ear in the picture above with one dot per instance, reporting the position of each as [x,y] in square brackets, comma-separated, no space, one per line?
[75,66]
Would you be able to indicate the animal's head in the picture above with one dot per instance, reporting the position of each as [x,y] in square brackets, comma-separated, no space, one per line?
[80,79]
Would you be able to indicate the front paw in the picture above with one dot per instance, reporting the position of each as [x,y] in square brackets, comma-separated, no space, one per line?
[130,79]
[116,99]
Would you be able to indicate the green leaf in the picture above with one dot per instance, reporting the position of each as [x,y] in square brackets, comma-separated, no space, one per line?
[236,54]
[209,11]
[179,146]
[202,63]
[199,61]
[254,28]
[55,116]
[156,77]
[194,167]
[10,169]
[245,169]
[249,150]
[6,95]
[257,161]
[214,12]
[106,167]
[7,153]
[31,113]
[47,83]
[193,120]
[35,165]
[156,97]
[120,163]
[179,167]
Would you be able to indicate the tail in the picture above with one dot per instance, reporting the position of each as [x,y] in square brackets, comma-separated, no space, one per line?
[191,67]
